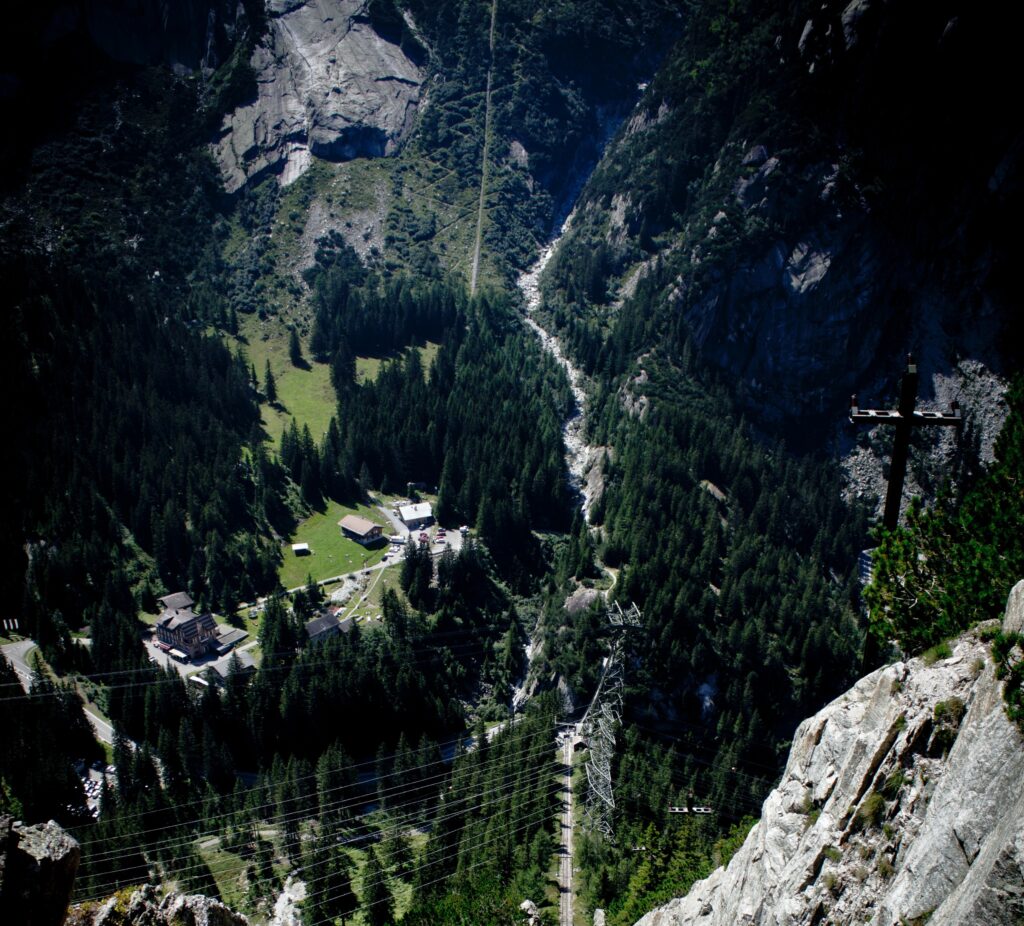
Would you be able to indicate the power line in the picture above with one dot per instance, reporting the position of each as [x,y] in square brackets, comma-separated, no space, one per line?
[276,803]
[446,877]
[602,718]
[472,646]
[523,788]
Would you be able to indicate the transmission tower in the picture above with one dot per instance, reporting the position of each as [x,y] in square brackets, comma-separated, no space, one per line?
[602,720]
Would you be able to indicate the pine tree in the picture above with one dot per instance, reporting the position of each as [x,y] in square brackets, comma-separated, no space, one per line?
[295,349]
[378,904]
[269,384]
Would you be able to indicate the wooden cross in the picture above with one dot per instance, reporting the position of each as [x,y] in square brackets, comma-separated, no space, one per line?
[904,418]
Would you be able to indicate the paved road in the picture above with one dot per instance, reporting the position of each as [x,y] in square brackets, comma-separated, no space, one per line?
[566,861]
[103,730]
[397,524]
[17,655]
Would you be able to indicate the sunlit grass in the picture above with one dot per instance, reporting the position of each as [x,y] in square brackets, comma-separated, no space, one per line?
[333,554]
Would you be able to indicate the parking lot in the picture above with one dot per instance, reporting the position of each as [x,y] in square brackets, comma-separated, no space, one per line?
[185,669]
[92,782]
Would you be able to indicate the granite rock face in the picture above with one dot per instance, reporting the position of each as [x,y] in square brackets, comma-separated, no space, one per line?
[330,85]
[37,871]
[901,800]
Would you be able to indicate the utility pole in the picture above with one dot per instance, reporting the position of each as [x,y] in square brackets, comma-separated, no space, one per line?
[904,418]
[601,721]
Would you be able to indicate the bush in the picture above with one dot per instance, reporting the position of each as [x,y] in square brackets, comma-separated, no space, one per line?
[950,712]
[893,783]
[937,653]
[869,814]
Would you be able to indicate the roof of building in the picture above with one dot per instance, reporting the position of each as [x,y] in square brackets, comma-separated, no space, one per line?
[321,625]
[229,636]
[357,525]
[300,548]
[188,622]
[416,512]
[245,662]
[176,601]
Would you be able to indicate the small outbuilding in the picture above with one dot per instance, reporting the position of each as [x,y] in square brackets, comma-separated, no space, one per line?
[229,637]
[301,549]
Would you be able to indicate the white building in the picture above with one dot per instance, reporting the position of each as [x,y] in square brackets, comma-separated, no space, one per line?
[416,516]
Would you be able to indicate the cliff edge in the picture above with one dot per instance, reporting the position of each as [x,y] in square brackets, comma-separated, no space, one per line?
[902,802]
[331,84]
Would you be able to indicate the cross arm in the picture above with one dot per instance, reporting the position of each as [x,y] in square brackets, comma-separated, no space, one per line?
[952,418]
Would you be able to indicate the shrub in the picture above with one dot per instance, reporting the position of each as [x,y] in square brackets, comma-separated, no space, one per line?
[870,811]
[950,712]
[937,653]
[893,783]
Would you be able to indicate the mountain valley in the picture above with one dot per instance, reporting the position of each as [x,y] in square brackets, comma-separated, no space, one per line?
[419,345]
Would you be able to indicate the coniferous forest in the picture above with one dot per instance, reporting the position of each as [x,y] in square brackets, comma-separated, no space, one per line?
[405,768]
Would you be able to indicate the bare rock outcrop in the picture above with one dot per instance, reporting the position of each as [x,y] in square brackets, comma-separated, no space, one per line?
[330,85]
[901,801]
[144,907]
[37,871]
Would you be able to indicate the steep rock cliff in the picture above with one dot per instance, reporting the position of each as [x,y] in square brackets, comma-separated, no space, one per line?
[331,84]
[901,800]
[816,190]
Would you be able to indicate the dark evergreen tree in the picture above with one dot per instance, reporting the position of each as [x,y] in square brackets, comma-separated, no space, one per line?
[295,349]
[377,902]
[269,384]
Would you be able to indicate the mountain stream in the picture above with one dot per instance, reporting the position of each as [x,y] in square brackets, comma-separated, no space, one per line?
[581,458]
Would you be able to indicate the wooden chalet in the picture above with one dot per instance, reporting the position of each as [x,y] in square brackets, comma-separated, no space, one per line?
[361,530]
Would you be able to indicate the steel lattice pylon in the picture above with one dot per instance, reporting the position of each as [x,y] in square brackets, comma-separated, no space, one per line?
[600,723]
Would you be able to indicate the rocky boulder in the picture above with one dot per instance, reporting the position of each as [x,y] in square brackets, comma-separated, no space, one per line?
[37,871]
[901,803]
[144,907]
[331,84]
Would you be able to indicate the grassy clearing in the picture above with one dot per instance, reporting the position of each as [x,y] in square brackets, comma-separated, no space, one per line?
[332,553]
[368,368]
[250,621]
[377,583]
[225,867]
[305,394]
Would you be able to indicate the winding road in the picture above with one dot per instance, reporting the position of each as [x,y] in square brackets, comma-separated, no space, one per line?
[17,656]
